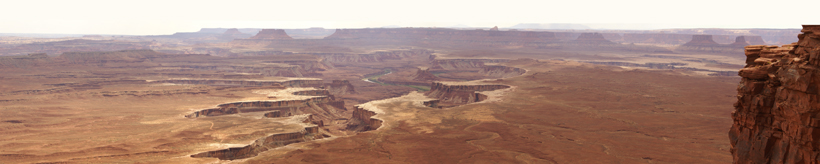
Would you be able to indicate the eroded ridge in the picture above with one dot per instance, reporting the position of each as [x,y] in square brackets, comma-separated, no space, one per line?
[776,117]
[288,102]
[311,132]
[458,93]
[374,115]
[313,107]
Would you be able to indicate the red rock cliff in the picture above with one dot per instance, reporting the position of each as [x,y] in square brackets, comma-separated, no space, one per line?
[362,121]
[777,115]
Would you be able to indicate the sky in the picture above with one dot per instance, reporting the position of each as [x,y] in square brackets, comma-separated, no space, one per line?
[162,17]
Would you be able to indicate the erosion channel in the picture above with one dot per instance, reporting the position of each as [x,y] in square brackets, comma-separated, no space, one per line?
[317,114]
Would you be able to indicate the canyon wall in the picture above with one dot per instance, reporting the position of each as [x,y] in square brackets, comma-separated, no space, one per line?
[288,107]
[361,120]
[456,64]
[339,87]
[457,94]
[453,64]
[497,71]
[263,144]
[777,114]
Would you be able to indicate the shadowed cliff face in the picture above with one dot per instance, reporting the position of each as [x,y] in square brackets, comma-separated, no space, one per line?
[264,144]
[777,114]
[340,87]
[501,71]
[362,121]
[450,94]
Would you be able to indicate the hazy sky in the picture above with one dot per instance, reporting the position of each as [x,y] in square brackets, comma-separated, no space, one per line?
[155,17]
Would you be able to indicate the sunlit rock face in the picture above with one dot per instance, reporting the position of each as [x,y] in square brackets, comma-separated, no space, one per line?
[777,115]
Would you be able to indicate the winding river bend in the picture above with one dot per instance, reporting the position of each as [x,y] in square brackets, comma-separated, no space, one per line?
[375,79]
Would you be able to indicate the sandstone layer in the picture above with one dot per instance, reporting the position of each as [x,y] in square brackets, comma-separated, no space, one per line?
[776,117]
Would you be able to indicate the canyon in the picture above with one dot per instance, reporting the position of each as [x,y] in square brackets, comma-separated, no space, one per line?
[406,95]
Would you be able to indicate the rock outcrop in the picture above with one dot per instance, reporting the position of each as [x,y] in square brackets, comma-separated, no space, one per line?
[497,71]
[423,74]
[777,115]
[339,87]
[457,94]
[319,104]
[274,34]
[362,121]
[454,64]
[264,144]
[316,105]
